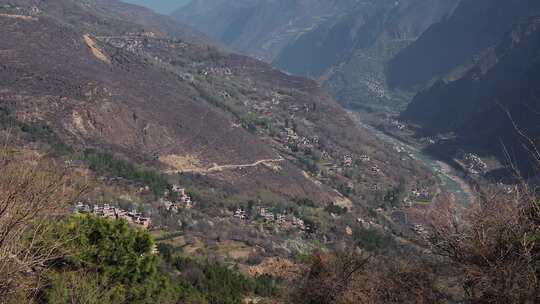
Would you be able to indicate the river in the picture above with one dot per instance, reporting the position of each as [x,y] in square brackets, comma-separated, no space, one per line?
[449,178]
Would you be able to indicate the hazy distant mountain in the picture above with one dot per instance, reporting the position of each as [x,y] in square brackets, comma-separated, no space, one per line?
[361,26]
[261,28]
[349,53]
[344,43]
[161,6]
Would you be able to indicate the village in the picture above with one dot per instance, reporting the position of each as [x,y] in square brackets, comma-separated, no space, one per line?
[282,221]
[176,199]
[279,118]
[106,210]
[473,163]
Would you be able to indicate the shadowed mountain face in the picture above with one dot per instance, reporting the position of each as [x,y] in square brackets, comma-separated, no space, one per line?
[475,26]
[496,97]
[111,77]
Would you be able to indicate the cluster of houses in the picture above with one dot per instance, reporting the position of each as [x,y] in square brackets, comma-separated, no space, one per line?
[177,199]
[108,211]
[397,124]
[400,149]
[364,158]
[276,98]
[347,161]
[134,42]
[417,195]
[473,163]
[289,136]
[283,221]
[421,194]
[376,87]
[375,169]
[31,11]
[369,224]
[264,107]
[217,71]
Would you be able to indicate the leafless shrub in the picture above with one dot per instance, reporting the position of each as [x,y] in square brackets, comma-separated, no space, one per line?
[495,244]
[330,278]
[31,194]
[397,281]
[78,287]
[348,277]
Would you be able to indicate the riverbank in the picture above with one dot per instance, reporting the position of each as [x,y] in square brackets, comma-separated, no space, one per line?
[465,187]
[450,179]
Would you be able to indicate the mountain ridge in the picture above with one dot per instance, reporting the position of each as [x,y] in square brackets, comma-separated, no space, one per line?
[175,104]
[345,45]
[495,101]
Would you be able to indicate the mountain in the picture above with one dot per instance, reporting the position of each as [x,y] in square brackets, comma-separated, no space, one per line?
[346,45]
[497,97]
[359,27]
[451,46]
[143,163]
[115,78]
[352,52]
[160,6]
[261,28]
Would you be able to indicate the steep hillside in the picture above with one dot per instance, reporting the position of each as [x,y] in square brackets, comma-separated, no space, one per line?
[81,78]
[260,28]
[454,44]
[358,80]
[360,27]
[499,91]
[161,6]
[344,44]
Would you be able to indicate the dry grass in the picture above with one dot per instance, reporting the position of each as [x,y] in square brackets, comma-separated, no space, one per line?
[276,267]
[343,202]
[233,249]
[182,163]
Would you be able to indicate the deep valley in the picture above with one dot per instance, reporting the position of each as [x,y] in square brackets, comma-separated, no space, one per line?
[269,151]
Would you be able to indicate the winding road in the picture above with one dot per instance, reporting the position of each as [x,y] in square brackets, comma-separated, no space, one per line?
[232,167]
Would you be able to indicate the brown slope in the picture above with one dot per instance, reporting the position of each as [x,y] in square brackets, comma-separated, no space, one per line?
[151,98]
